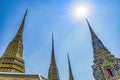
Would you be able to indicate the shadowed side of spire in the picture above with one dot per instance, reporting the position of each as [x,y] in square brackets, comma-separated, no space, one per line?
[70,69]
[20,31]
[96,42]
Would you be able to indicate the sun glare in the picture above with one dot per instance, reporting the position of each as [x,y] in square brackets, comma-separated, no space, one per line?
[78,11]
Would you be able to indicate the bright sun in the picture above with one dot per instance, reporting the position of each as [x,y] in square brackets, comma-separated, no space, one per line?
[78,11]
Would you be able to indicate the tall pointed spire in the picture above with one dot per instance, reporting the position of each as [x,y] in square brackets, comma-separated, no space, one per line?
[53,53]
[70,69]
[53,70]
[96,42]
[11,60]
[20,31]
[102,55]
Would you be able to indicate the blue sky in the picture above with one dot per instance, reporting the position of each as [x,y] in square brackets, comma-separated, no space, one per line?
[52,16]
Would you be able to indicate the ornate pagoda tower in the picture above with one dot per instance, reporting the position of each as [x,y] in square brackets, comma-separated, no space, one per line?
[105,66]
[70,69]
[11,61]
[53,70]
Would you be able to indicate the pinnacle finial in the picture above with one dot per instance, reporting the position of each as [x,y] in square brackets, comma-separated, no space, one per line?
[93,35]
[70,69]
[53,41]
[53,53]
[20,31]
